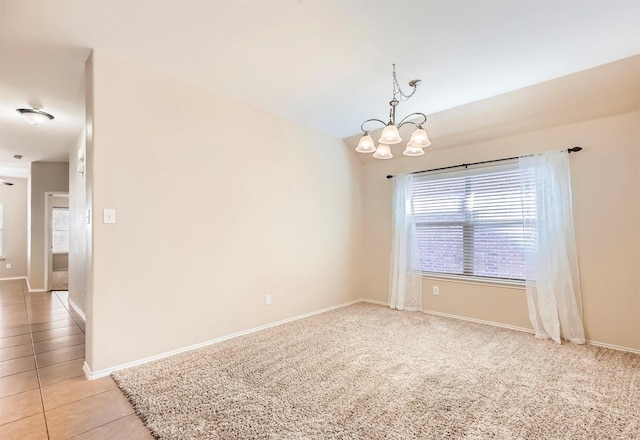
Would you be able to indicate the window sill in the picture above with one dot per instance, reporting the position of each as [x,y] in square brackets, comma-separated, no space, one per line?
[507,284]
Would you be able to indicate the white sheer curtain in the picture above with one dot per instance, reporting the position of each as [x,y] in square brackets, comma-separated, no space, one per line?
[405,278]
[553,284]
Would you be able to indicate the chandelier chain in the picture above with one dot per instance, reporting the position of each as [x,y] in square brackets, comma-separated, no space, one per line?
[397,91]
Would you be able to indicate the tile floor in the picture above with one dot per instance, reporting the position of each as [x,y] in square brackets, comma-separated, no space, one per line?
[43,390]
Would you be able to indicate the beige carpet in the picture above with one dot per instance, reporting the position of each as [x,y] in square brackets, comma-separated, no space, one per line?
[368,372]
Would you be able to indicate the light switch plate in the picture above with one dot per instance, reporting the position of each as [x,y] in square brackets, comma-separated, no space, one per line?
[109,216]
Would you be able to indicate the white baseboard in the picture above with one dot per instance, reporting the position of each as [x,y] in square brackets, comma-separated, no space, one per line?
[371,301]
[480,321]
[33,290]
[29,289]
[87,372]
[78,310]
[91,375]
[528,330]
[613,347]
[462,318]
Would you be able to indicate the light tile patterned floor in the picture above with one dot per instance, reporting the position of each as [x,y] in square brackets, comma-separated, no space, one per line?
[43,391]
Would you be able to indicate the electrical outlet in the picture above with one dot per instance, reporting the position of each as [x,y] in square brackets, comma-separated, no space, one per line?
[436,290]
[109,216]
[7,266]
[267,300]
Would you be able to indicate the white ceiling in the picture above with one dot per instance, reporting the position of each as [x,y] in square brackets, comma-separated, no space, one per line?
[322,64]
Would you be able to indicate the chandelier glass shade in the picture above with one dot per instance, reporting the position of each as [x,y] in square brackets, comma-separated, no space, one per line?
[383,152]
[366,145]
[391,132]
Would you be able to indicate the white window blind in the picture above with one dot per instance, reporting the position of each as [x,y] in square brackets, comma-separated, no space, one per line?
[470,223]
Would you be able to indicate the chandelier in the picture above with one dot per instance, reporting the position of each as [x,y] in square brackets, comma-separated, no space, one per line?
[390,134]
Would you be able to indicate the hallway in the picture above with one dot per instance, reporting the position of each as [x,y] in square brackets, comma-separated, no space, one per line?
[43,391]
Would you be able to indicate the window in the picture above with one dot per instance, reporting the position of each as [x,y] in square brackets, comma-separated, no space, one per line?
[60,231]
[1,229]
[472,223]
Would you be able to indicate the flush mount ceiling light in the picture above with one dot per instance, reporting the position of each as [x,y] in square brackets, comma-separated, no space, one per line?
[390,134]
[33,116]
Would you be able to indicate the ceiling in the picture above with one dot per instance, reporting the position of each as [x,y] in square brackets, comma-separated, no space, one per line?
[326,65]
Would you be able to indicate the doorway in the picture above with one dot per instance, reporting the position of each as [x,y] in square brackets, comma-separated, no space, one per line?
[57,263]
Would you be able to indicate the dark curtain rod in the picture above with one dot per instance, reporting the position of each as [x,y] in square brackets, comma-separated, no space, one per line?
[569,150]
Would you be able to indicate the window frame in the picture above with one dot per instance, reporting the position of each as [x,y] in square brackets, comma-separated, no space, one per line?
[469,228]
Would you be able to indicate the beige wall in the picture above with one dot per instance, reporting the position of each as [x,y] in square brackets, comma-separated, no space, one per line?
[44,177]
[606,199]
[59,201]
[77,227]
[217,204]
[14,199]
